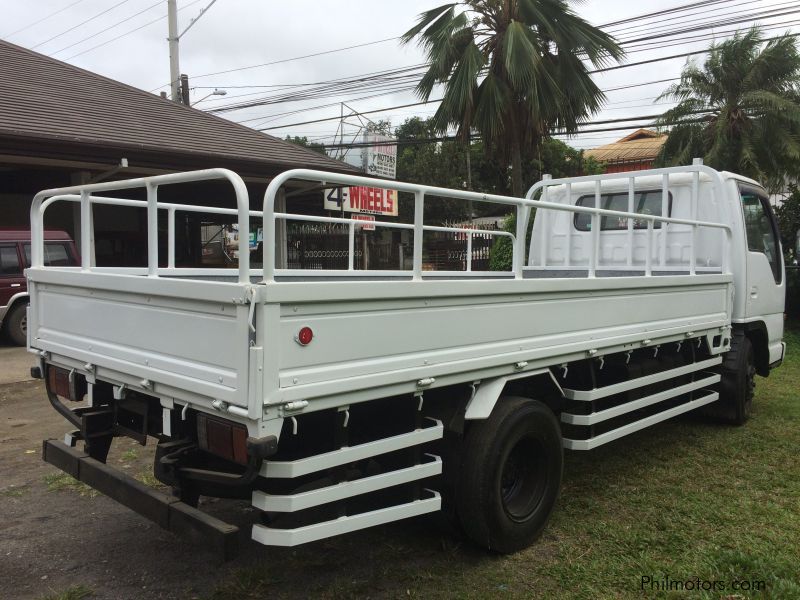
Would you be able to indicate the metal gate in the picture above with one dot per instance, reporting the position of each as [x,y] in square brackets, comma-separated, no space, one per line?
[324,246]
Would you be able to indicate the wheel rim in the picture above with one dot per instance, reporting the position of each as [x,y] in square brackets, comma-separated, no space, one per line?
[23,326]
[523,479]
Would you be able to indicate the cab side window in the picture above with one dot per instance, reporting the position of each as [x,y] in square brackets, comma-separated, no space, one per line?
[647,202]
[762,232]
[9,261]
[55,255]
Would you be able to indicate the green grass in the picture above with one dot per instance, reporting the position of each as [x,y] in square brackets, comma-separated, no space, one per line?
[129,455]
[59,481]
[76,592]
[688,498]
[14,491]
[147,478]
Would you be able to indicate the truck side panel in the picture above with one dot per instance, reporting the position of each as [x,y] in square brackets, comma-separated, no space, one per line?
[460,334]
[193,344]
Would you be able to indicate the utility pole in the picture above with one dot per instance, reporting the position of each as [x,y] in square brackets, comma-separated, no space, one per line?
[174,59]
[174,53]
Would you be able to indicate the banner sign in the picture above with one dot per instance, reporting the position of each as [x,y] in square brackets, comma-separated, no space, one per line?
[361,199]
[379,155]
[369,222]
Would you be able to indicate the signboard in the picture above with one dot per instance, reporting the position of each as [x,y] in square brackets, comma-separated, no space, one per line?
[378,158]
[379,155]
[361,199]
[369,222]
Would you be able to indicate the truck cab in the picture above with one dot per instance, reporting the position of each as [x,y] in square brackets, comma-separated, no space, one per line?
[563,242]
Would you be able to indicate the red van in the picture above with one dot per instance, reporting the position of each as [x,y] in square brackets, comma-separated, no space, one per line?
[15,257]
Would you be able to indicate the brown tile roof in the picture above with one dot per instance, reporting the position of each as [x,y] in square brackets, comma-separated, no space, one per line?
[641,145]
[48,106]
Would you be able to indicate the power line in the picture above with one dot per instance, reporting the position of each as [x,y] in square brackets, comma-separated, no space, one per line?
[660,13]
[81,24]
[681,8]
[94,35]
[127,33]
[437,139]
[53,14]
[603,70]
[276,62]
[349,85]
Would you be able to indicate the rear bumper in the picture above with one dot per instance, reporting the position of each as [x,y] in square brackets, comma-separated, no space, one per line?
[168,512]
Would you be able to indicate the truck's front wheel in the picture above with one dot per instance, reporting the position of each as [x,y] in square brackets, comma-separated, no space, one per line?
[510,475]
[738,384]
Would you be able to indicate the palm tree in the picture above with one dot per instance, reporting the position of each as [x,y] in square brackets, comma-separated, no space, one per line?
[512,70]
[740,111]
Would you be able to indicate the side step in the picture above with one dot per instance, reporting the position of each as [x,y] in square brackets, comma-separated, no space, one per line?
[168,512]
[637,425]
[427,501]
[703,384]
[319,531]
[632,384]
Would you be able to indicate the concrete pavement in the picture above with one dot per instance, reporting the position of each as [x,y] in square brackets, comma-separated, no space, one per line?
[15,363]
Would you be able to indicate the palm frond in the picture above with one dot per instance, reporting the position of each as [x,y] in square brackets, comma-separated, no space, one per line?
[424,20]
[749,92]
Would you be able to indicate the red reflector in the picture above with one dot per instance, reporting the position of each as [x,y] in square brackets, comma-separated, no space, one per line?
[222,438]
[61,384]
[305,336]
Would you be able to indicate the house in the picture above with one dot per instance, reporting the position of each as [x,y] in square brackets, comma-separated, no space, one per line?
[61,125]
[635,152]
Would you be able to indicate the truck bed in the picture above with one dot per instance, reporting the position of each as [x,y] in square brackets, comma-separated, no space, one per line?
[191,339]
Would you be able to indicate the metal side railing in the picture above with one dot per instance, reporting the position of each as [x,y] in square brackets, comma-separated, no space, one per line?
[86,195]
[418,227]
[694,171]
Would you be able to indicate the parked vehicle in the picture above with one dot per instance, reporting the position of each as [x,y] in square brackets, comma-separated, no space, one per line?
[335,400]
[15,256]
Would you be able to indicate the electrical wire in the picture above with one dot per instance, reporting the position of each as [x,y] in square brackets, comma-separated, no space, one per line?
[603,70]
[94,35]
[53,14]
[81,24]
[277,62]
[349,86]
[127,33]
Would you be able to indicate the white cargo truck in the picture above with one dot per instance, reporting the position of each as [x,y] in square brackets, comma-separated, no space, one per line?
[335,400]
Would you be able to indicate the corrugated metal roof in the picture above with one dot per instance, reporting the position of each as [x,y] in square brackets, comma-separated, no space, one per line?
[48,100]
[641,145]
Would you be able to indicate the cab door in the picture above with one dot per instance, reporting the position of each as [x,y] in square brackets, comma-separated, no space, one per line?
[12,280]
[766,288]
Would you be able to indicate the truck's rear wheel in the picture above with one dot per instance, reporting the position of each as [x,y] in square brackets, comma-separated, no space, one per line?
[510,475]
[17,325]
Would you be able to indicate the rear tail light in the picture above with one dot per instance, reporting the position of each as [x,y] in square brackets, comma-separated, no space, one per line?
[222,438]
[62,384]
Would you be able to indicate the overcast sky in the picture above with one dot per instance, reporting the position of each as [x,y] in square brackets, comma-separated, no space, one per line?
[240,33]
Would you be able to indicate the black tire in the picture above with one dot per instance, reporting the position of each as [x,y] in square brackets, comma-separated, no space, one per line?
[510,475]
[738,384]
[17,325]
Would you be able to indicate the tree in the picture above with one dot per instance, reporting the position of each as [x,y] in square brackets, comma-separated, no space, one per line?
[444,164]
[512,70]
[788,214]
[740,111]
[303,141]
